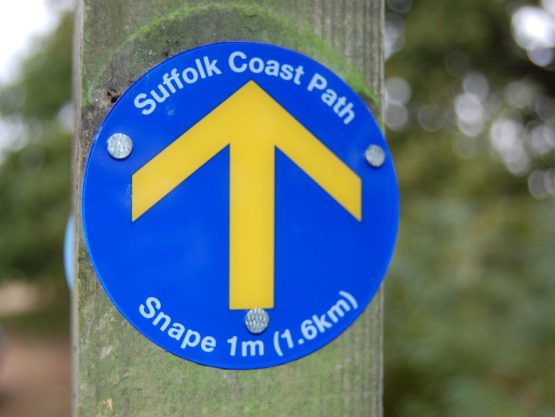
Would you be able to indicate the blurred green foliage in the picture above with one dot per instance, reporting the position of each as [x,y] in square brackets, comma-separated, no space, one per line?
[470,299]
[35,174]
[469,323]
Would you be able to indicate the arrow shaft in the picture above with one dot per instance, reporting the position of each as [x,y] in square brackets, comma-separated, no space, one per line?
[251,231]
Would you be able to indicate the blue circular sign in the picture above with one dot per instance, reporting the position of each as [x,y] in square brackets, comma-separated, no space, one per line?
[240,205]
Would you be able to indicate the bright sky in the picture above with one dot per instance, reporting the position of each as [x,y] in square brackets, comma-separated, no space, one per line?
[20,21]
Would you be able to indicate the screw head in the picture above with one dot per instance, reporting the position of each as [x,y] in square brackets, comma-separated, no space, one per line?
[257,320]
[119,146]
[375,156]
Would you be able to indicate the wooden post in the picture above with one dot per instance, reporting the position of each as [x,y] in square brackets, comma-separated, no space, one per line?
[118,372]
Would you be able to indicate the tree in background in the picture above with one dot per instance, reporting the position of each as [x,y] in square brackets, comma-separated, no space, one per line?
[470,326]
[470,329]
[36,118]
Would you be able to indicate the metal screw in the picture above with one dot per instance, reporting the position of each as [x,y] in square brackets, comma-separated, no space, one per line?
[120,146]
[257,320]
[375,156]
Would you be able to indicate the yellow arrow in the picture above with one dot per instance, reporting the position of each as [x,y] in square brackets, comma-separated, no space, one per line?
[253,124]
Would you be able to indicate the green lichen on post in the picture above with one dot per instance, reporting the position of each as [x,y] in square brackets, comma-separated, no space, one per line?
[168,35]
